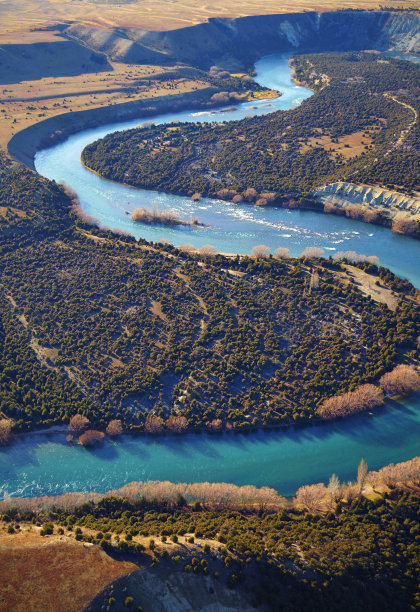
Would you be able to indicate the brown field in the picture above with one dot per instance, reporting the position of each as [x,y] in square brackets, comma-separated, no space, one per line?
[348,146]
[49,574]
[20,16]
[27,102]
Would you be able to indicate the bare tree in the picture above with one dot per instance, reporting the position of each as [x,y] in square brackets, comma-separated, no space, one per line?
[269,196]
[334,489]
[114,428]
[177,424]
[281,253]
[373,259]
[401,380]
[6,426]
[397,473]
[226,194]
[78,423]
[260,251]
[187,248]
[250,195]
[405,226]
[361,475]
[311,496]
[154,424]
[365,397]
[313,252]
[314,280]
[91,437]
[207,250]
[220,97]
[215,425]
[261,202]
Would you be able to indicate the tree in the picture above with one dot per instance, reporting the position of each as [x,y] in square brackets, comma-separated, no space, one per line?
[281,253]
[313,252]
[361,475]
[365,397]
[207,250]
[250,195]
[91,437]
[78,423]
[177,424]
[215,425]
[114,428]
[154,424]
[334,489]
[310,496]
[260,251]
[187,248]
[401,380]
[6,426]
[314,280]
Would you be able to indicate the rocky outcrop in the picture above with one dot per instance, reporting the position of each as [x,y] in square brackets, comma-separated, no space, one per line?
[239,42]
[389,203]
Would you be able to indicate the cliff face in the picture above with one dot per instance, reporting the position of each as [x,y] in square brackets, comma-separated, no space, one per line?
[239,42]
[391,203]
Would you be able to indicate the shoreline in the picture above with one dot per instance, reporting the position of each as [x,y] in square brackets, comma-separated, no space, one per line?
[24,145]
[63,428]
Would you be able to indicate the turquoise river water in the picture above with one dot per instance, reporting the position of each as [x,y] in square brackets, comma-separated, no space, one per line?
[42,463]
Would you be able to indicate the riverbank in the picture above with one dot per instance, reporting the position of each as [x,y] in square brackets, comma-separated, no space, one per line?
[24,145]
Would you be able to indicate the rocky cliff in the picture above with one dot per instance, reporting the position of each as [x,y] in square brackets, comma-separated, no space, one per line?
[390,203]
[239,42]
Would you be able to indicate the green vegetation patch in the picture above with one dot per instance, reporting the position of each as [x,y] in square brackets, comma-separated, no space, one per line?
[358,95]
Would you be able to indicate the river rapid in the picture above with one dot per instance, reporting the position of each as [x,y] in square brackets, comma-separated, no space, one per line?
[43,464]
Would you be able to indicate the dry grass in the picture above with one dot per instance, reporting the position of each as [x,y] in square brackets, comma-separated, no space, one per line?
[48,574]
[20,16]
[28,102]
[348,146]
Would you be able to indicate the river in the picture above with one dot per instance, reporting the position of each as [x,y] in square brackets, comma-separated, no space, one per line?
[43,464]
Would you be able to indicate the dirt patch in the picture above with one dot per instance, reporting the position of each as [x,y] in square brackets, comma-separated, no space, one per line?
[45,355]
[371,285]
[347,146]
[156,309]
[53,573]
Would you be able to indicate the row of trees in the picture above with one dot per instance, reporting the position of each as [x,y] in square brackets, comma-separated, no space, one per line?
[89,437]
[403,379]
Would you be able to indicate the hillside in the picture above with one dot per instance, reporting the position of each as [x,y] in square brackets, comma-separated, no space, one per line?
[238,42]
[189,557]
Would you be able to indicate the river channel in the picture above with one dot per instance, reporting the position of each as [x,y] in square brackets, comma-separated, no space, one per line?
[43,464]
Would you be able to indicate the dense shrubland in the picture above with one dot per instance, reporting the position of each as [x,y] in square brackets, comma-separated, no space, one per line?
[283,153]
[131,331]
[100,325]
